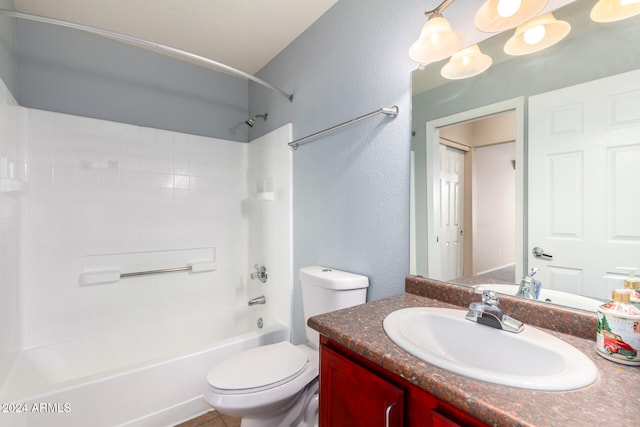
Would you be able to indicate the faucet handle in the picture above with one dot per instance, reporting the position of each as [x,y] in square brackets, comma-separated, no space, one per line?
[489,313]
[260,273]
[531,285]
[478,289]
[489,297]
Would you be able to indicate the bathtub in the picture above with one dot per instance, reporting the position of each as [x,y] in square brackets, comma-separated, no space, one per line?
[152,376]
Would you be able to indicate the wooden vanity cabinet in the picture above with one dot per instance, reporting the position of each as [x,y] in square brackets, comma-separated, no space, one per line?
[356,392]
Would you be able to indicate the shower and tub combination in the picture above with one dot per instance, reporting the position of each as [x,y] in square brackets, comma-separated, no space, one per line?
[84,339]
[108,346]
[146,377]
[137,248]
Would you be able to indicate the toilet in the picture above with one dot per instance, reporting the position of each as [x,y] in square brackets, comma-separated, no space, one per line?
[277,384]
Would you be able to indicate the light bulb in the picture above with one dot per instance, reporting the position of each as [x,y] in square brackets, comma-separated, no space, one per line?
[508,8]
[534,35]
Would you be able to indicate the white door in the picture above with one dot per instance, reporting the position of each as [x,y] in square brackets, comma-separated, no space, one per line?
[584,183]
[450,217]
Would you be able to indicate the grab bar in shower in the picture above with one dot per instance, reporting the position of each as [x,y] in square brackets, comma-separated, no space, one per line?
[390,111]
[112,276]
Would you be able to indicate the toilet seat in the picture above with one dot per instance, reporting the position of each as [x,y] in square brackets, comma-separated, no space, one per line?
[258,369]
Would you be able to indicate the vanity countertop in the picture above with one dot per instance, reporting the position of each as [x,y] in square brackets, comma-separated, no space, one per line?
[613,398]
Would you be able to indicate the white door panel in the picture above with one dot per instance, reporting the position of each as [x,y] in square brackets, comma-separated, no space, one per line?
[450,216]
[584,186]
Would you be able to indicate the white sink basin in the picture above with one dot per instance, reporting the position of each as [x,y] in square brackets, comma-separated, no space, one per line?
[551,296]
[531,359]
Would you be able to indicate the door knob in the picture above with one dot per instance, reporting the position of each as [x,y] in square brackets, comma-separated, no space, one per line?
[538,252]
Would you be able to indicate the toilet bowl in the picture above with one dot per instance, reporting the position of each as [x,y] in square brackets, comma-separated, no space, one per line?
[272,385]
[276,385]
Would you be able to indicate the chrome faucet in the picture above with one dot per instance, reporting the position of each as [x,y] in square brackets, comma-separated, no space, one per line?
[530,287]
[488,312]
[258,300]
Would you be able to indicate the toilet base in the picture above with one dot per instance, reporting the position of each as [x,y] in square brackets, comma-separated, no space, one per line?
[302,413]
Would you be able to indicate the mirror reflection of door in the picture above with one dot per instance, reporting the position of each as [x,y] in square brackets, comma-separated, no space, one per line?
[476,204]
[451,215]
[584,152]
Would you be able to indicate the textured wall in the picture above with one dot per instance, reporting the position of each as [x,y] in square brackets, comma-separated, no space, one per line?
[69,71]
[7,49]
[351,188]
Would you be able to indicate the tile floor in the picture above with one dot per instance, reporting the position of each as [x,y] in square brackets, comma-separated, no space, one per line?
[211,419]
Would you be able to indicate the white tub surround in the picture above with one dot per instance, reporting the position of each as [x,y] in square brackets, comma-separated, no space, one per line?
[146,377]
[111,197]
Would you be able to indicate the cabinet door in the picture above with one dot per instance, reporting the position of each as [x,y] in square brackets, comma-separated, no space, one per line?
[352,396]
[440,420]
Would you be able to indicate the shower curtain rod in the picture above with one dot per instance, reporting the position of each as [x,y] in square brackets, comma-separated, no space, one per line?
[146,43]
[390,111]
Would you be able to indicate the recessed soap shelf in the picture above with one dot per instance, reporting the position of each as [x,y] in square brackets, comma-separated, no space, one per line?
[265,195]
[12,186]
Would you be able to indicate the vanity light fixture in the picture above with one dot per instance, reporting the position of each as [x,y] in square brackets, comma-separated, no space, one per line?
[466,63]
[614,10]
[495,16]
[536,35]
[437,39]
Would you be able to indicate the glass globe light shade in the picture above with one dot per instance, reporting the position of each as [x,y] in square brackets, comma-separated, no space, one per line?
[466,63]
[614,10]
[495,16]
[437,41]
[536,35]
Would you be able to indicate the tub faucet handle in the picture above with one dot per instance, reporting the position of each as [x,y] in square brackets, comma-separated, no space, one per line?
[260,273]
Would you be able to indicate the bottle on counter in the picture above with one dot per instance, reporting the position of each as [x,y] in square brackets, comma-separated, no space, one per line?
[618,335]
[632,284]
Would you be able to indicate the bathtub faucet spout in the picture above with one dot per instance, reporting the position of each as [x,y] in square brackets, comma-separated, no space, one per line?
[258,300]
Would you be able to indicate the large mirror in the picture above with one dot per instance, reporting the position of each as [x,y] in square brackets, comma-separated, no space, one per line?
[500,166]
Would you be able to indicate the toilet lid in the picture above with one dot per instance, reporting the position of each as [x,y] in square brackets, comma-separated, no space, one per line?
[258,367]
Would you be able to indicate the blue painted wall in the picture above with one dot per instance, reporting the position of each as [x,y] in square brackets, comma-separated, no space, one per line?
[7,48]
[350,188]
[69,71]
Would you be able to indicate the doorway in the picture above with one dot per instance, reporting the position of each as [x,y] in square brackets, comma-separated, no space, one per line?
[475,206]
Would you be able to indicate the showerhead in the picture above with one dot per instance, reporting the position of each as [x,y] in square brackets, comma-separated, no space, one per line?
[252,120]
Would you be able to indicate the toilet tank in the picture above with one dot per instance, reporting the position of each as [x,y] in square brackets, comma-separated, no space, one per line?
[325,289]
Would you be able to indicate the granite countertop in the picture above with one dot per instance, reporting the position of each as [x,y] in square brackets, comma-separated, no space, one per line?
[613,398]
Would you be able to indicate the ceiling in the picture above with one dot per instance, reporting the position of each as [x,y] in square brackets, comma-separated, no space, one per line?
[244,34]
